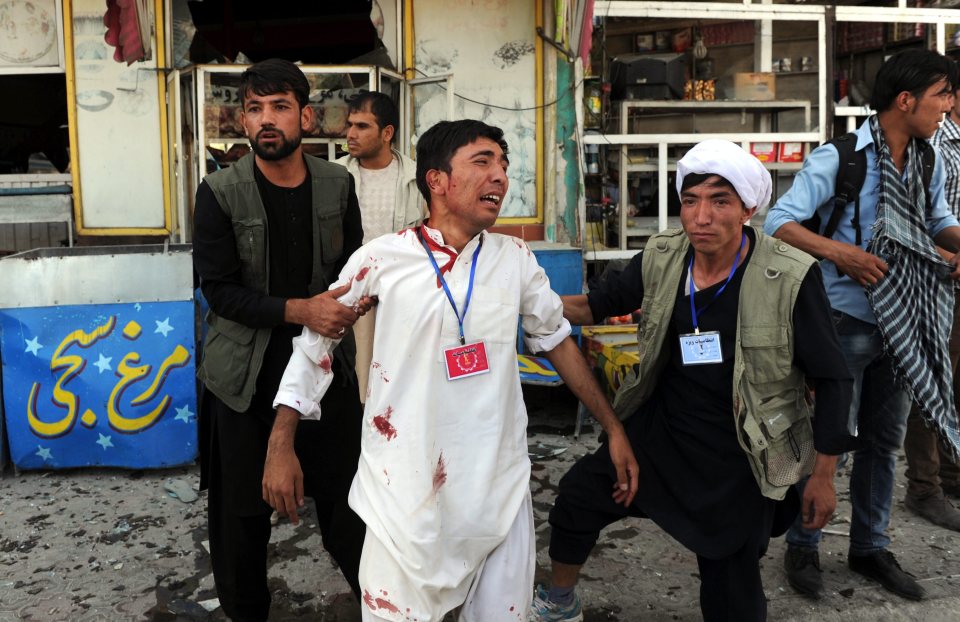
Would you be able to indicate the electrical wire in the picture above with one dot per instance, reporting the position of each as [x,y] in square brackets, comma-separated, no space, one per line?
[555,102]
[562,96]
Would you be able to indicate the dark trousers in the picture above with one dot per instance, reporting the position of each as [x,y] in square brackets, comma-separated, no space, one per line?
[730,588]
[929,467]
[239,519]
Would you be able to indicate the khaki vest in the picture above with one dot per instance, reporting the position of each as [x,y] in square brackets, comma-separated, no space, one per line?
[770,407]
[233,352]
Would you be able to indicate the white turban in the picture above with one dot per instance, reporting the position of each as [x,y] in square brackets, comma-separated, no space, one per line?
[721,157]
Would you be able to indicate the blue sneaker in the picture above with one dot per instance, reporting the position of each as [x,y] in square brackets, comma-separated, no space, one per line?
[543,610]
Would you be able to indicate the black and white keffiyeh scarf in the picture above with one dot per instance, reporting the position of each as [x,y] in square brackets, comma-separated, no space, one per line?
[914,302]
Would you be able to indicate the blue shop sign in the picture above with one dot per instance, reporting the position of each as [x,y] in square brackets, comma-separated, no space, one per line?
[100,385]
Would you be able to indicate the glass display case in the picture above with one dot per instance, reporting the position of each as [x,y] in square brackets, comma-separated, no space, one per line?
[220,133]
[211,135]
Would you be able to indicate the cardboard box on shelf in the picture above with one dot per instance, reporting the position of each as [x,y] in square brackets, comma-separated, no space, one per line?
[791,152]
[760,86]
[765,152]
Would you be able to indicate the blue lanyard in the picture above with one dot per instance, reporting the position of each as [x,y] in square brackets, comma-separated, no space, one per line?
[446,290]
[693,309]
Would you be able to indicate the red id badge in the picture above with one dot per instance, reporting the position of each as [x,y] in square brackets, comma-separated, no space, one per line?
[466,360]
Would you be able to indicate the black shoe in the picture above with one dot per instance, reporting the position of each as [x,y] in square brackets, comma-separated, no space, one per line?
[951,490]
[803,570]
[935,509]
[882,566]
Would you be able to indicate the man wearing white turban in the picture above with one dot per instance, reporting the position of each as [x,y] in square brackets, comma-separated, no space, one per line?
[716,466]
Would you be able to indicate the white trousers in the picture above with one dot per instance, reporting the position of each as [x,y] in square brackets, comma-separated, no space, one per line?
[501,589]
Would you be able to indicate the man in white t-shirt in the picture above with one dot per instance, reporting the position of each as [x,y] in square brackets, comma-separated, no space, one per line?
[386,183]
[443,482]
[386,179]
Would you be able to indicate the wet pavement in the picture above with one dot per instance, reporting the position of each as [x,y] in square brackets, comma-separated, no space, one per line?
[111,545]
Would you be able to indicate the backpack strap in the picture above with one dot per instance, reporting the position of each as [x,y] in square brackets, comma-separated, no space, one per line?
[851,174]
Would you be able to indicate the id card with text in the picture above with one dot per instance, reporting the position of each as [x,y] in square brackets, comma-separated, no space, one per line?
[466,360]
[702,349]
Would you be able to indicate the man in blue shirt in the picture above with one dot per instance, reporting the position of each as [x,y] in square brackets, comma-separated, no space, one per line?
[894,341]
[931,472]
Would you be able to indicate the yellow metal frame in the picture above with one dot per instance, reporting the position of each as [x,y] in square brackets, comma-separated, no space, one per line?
[408,40]
[160,55]
[538,130]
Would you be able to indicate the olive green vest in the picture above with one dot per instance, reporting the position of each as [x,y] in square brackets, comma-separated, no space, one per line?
[770,407]
[233,352]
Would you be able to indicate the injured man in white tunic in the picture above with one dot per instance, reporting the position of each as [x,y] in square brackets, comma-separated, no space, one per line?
[443,478]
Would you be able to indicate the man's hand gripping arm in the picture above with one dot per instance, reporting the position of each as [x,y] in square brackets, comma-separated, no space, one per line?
[571,366]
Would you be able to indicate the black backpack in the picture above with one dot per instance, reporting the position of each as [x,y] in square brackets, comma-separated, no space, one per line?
[850,176]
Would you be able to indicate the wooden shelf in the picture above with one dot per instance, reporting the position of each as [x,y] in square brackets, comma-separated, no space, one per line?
[676,105]
[651,167]
[883,48]
[245,141]
[809,72]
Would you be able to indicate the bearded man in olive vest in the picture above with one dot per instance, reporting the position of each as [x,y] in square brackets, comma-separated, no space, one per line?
[734,325]
[270,234]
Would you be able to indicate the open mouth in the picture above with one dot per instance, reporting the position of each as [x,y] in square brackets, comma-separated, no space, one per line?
[492,199]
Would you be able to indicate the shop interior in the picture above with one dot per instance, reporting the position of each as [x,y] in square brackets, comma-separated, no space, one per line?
[33,115]
[651,77]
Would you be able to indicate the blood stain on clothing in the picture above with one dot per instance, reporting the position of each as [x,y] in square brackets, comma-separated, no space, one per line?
[374,603]
[383,374]
[325,364]
[522,246]
[383,425]
[383,603]
[363,273]
[440,474]
[387,475]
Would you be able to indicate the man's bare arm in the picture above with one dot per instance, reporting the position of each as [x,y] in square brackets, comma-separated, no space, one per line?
[819,497]
[571,366]
[577,310]
[282,475]
[949,239]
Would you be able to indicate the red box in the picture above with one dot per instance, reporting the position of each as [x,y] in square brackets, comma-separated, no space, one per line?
[765,152]
[791,152]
